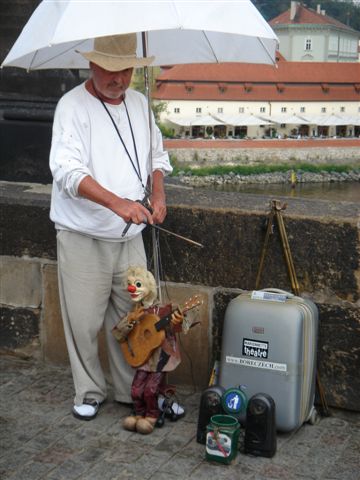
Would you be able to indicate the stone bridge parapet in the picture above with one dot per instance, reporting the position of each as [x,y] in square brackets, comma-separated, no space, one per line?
[324,241]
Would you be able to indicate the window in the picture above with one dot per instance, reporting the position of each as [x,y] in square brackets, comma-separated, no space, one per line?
[323,109]
[283,109]
[333,43]
[342,109]
[176,110]
[241,109]
[189,87]
[302,109]
[308,44]
[220,110]
[198,109]
[346,46]
[325,87]
[262,109]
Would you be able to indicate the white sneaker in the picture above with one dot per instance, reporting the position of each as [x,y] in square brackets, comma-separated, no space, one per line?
[87,411]
[173,410]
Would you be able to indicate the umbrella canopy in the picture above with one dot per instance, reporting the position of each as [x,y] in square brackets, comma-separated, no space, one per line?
[207,120]
[321,120]
[290,119]
[178,32]
[182,122]
[242,120]
[352,120]
[332,120]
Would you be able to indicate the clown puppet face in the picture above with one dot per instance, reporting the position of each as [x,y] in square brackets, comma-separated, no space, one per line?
[141,286]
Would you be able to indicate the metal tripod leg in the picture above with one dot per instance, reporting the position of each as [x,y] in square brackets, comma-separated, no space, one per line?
[287,253]
[276,209]
[264,250]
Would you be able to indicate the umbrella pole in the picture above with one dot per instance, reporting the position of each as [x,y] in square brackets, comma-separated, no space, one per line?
[154,235]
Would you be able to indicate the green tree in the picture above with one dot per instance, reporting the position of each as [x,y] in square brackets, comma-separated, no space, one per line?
[138,78]
[138,83]
[271,8]
[209,131]
[158,108]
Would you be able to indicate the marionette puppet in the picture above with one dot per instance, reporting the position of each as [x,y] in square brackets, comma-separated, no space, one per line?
[147,337]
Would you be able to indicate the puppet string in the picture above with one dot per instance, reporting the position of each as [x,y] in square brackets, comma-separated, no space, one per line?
[175,234]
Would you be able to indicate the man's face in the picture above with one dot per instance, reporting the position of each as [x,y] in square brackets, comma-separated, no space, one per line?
[108,84]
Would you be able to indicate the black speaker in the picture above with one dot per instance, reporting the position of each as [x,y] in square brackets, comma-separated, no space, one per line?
[260,426]
[210,404]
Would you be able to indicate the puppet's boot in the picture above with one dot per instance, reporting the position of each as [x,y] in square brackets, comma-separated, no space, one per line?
[145,425]
[129,423]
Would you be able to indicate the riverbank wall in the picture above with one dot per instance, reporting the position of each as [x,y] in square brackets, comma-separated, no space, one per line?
[200,153]
[323,236]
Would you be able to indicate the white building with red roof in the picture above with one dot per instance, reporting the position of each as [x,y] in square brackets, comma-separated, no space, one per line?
[237,100]
[311,95]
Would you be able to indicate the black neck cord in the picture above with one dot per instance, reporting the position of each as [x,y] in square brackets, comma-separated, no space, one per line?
[137,170]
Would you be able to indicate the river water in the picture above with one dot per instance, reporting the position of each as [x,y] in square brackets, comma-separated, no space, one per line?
[336,191]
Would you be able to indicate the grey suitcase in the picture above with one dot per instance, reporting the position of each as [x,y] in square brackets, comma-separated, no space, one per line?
[269,345]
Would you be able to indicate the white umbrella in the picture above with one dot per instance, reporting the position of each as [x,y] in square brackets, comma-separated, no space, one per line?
[182,122]
[178,31]
[174,31]
[327,120]
[352,120]
[242,120]
[207,120]
[333,120]
[290,119]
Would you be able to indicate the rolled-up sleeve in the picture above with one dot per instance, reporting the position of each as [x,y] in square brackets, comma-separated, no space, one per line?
[68,156]
[160,158]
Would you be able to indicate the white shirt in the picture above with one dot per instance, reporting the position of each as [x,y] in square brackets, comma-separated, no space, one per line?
[85,142]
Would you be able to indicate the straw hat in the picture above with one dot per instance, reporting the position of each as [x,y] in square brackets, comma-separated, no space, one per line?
[116,52]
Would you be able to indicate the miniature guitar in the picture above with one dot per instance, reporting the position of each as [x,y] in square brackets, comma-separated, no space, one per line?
[148,334]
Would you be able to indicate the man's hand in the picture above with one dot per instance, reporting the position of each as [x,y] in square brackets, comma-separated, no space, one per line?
[128,210]
[157,200]
[158,206]
[131,211]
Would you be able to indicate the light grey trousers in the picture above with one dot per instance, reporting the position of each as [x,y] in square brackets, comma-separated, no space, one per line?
[92,288]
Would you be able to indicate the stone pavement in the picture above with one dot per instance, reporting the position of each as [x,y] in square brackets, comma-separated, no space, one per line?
[40,439]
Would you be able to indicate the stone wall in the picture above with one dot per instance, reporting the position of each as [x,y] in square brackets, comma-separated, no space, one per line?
[324,240]
[255,156]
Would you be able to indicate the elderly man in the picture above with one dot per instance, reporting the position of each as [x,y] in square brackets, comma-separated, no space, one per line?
[100,161]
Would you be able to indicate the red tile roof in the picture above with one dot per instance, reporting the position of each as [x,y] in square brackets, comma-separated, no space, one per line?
[306,16]
[249,82]
[284,72]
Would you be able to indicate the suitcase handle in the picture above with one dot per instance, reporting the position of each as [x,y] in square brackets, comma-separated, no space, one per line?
[278,290]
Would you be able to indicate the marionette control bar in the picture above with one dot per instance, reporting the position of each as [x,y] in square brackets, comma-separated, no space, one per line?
[145,202]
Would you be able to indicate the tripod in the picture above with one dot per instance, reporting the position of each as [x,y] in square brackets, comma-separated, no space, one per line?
[276,213]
